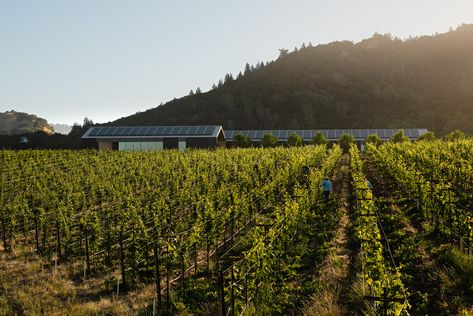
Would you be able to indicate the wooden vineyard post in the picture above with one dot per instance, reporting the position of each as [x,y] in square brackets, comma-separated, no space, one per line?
[385,300]
[157,273]
[122,257]
[58,238]
[36,230]
[221,289]
[87,257]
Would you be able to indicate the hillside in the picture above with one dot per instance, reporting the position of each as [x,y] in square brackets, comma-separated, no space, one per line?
[379,82]
[16,123]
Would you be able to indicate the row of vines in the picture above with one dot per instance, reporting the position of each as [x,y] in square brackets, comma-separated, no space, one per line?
[439,177]
[226,228]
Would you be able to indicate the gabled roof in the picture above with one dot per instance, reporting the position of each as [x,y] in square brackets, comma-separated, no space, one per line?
[330,134]
[124,132]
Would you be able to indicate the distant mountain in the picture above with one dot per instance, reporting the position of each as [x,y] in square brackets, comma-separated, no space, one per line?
[62,128]
[16,123]
[379,82]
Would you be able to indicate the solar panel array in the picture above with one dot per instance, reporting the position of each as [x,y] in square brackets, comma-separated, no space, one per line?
[156,131]
[331,134]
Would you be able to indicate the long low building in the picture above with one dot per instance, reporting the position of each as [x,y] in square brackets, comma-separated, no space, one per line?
[332,135]
[132,138]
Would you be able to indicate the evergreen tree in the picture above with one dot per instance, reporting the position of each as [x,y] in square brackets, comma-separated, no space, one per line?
[373,139]
[228,78]
[283,52]
[214,86]
[399,137]
[191,92]
[242,141]
[247,69]
[295,140]
[345,142]
[319,139]
[269,140]
[198,91]
[429,136]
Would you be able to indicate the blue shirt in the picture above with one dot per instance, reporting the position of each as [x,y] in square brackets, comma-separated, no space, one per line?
[326,185]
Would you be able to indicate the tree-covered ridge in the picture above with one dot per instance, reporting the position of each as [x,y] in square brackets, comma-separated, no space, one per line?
[380,82]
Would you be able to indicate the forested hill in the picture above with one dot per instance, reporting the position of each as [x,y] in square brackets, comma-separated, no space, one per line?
[379,82]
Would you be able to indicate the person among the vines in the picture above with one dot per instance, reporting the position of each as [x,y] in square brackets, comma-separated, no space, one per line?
[326,186]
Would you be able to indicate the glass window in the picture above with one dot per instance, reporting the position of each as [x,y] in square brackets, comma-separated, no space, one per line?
[121,146]
[182,145]
[159,146]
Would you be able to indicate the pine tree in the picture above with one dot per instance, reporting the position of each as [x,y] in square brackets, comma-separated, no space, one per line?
[228,78]
[198,91]
[191,92]
[247,69]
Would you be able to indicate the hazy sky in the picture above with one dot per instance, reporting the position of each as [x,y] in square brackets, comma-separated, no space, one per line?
[65,59]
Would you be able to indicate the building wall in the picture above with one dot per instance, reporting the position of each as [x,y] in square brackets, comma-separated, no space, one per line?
[157,144]
[105,145]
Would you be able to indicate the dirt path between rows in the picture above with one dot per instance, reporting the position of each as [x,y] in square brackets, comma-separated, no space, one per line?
[334,272]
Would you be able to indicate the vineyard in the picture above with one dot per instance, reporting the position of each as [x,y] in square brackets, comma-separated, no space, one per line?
[238,231]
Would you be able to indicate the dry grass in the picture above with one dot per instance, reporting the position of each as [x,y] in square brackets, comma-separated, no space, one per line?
[334,270]
[29,286]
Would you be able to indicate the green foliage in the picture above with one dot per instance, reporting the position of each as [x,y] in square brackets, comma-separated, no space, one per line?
[243,141]
[399,137]
[455,135]
[429,136]
[319,139]
[295,140]
[345,141]
[123,206]
[373,139]
[269,140]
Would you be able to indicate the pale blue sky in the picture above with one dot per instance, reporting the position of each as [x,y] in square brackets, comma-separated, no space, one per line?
[64,59]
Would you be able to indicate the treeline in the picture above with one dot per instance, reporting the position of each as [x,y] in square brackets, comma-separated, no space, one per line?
[380,82]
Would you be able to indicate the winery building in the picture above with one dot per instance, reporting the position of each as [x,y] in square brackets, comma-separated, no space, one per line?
[133,138]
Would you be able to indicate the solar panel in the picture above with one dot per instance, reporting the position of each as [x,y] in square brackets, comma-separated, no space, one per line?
[167,130]
[184,130]
[128,131]
[192,130]
[94,131]
[102,131]
[144,130]
[200,130]
[134,131]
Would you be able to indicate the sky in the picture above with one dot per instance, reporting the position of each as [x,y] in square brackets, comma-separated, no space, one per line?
[64,60]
